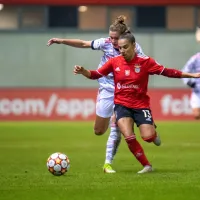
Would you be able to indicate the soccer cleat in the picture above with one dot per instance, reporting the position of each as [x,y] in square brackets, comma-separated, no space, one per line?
[107,168]
[157,140]
[146,169]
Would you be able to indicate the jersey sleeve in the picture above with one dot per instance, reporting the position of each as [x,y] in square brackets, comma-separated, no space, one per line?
[154,67]
[98,44]
[106,68]
[139,50]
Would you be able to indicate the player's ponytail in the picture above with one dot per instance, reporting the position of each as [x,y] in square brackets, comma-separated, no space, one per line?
[119,25]
[120,20]
[127,31]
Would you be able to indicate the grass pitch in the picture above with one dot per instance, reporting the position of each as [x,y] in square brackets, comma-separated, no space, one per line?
[25,147]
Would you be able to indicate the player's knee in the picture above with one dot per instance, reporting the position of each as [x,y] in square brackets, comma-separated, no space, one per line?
[197,117]
[99,131]
[196,113]
[149,138]
[148,133]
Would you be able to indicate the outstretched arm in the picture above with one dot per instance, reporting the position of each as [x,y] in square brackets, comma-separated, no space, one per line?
[94,74]
[91,74]
[70,42]
[81,70]
[190,75]
[173,73]
[156,68]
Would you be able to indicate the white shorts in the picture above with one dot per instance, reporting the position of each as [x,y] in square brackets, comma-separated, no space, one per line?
[195,100]
[105,103]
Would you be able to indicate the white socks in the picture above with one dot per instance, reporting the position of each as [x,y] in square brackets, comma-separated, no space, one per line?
[113,142]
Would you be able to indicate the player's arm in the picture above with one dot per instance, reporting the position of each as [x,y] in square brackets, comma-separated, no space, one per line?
[94,74]
[70,42]
[81,70]
[188,68]
[156,68]
[174,73]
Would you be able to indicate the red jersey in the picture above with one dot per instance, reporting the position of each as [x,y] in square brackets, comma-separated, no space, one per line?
[131,79]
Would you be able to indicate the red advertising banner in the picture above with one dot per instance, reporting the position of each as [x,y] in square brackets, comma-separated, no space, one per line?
[47,104]
[102,2]
[79,104]
[171,104]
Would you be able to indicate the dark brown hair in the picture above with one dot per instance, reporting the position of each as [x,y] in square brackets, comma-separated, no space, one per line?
[128,36]
[119,25]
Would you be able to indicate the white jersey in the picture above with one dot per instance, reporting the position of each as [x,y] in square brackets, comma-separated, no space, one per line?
[193,66]
[105,45]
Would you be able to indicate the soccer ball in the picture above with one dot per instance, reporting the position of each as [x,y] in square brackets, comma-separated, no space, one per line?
[58,164]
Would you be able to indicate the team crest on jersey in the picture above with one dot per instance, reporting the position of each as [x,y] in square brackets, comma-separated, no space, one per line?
[117,69]
[137,68]
[127,72]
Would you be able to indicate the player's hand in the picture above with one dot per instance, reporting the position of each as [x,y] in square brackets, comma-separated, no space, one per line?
[196,75]
[54,40]
[78,69]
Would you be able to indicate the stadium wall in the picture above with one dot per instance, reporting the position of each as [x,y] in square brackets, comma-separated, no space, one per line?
[26,61]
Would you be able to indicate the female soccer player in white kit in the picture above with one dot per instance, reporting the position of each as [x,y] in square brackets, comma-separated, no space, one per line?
[105,98]
[193,66]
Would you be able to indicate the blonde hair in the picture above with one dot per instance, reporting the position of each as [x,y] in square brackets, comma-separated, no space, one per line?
[119,25]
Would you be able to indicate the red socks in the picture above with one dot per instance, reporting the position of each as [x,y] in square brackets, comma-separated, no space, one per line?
[150,139]
[137,150]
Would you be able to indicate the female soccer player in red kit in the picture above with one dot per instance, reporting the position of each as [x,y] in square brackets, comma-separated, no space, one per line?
[132,104]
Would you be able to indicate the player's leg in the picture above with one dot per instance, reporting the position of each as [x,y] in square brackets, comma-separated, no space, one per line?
[116,134]
[145,122]
[104,110]
[196,113]
[157,140]
[195,105]
[147,132]
[112,145]
[126,125]
[101,124]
